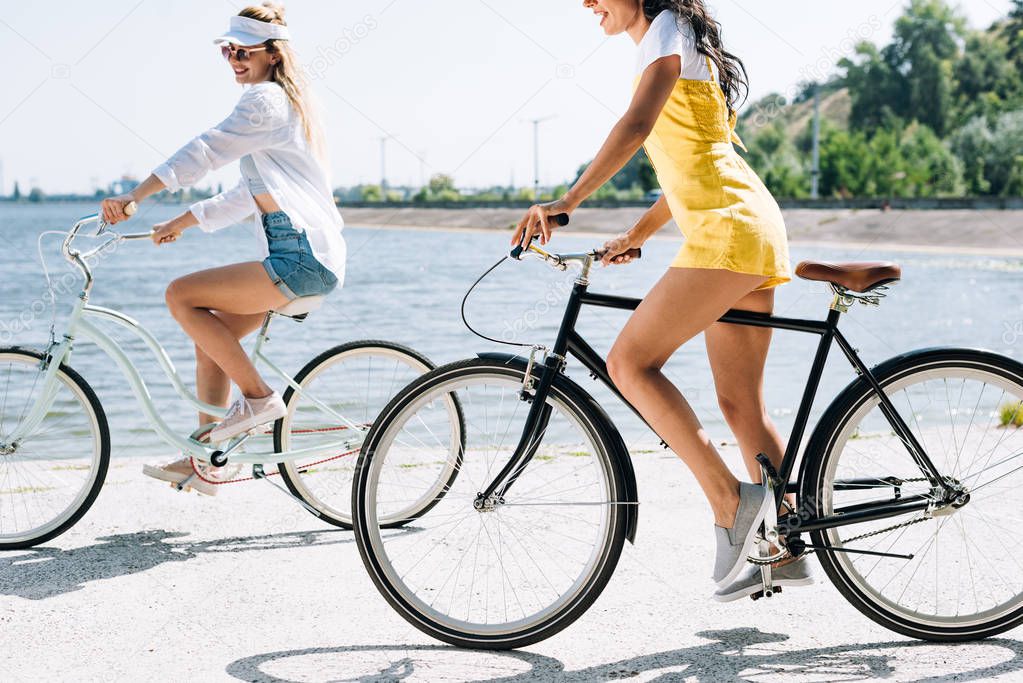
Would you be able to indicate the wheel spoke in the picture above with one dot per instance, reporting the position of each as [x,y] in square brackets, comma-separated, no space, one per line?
[962,560]
[54,474]
[488,568]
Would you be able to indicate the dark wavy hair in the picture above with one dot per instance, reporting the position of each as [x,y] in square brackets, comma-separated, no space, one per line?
[731,71]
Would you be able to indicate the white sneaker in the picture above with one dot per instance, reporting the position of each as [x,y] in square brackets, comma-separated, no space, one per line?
[180,470]
[248,413]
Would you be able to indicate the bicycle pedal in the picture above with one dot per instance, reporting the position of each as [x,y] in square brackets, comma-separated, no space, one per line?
[760,594]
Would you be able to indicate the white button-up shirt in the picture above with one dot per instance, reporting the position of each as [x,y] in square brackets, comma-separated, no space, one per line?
[265,125]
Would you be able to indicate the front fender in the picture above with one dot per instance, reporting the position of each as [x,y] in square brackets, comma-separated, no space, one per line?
[619,453]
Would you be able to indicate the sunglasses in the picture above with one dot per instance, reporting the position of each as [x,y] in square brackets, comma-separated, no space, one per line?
[242,54]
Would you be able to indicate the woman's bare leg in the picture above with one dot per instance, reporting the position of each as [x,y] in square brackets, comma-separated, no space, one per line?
[242,288]
[738,354]
[212,385]
[685,302]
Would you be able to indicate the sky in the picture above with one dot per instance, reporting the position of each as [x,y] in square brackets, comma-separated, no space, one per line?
[96,90]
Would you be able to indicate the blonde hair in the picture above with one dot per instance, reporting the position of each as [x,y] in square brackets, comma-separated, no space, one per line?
[288,74]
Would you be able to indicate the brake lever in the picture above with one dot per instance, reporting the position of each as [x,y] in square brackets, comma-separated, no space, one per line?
[561,219]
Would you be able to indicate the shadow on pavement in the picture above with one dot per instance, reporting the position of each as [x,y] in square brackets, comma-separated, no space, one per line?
[48,572]
[733,655]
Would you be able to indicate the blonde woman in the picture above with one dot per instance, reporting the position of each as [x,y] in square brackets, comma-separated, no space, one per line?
[686,89]
[274,133]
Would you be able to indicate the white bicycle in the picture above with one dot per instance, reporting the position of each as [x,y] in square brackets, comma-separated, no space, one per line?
[55,442]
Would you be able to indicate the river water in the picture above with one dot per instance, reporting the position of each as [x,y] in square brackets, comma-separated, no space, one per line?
[407,286]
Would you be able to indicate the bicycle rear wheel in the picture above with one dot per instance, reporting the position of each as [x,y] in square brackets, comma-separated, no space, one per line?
[518,569]
[962,582]
[52,477]
[355,381]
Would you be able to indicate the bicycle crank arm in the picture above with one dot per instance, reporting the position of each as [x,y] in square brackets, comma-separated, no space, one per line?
[875,553]
[259,475]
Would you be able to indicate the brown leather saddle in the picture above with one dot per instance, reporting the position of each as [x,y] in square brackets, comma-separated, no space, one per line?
[856,277]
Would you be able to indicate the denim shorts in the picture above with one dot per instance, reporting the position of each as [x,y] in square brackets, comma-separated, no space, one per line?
[291,264]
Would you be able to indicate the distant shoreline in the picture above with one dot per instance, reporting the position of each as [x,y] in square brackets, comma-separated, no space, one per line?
[994,232]
[976,232]
[665,235]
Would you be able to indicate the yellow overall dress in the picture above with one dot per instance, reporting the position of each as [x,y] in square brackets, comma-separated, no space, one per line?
[727,215]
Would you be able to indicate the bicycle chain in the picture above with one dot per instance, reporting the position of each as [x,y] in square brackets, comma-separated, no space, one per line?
[854,538]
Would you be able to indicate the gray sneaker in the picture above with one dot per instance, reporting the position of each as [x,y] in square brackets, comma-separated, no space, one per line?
[734,545]
[749,581]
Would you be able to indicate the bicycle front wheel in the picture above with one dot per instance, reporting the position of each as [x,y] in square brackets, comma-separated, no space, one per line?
[343,390]
[515,570]
[962,579]
[50,478]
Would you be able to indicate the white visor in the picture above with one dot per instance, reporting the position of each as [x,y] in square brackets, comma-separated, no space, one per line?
[247,31]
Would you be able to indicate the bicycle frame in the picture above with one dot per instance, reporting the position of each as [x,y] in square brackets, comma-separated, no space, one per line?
[570,342]
[82,323]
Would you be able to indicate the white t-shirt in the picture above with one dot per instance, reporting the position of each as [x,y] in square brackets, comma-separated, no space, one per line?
[668,35]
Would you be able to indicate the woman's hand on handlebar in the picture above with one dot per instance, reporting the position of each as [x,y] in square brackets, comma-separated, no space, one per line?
[615,251]
[113,208]
[166,232]
[538,221]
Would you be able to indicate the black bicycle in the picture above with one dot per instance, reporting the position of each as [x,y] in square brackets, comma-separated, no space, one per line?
[903,490]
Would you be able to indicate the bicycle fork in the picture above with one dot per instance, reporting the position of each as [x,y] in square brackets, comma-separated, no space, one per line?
[539,412]
[53,358]
[529,442]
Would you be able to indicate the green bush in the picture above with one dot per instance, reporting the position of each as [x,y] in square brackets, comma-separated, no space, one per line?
[1011,414]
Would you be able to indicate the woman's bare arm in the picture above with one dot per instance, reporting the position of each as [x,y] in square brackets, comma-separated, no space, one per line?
[625,139]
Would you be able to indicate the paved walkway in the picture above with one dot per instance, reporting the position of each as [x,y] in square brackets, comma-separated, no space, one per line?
[247,586]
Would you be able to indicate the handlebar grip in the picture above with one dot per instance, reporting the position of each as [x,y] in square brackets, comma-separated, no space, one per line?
[561,219]
[633,253]
[130,209]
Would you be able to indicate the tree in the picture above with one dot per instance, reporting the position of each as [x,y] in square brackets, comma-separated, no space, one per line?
[637,172]
[990,154]
[1013,32]
[36,195]
[440,183]
[931,91]
[987,81]
[911,77]
[844,162]
[931,169]
[372,193]
[776,160]
[16,195]
[876,89]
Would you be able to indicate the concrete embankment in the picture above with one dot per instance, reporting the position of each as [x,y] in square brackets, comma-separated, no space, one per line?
[988,231]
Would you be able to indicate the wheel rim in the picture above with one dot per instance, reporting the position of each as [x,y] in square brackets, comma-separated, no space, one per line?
[960,576]
[357,384]
[51,474]
[517,567]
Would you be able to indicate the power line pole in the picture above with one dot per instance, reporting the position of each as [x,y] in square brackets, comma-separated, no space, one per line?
[383,163]
[536,154]
[422,168]
[815,174]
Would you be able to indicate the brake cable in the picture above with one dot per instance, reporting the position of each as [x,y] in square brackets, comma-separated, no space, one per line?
[465,320]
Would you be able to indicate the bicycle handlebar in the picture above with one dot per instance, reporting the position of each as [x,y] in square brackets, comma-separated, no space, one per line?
[78,259]
[561,219]
[562,260]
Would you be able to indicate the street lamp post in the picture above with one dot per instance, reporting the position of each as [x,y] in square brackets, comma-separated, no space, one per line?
[536,154]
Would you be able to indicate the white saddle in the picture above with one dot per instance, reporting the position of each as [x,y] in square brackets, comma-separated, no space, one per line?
[300,306]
